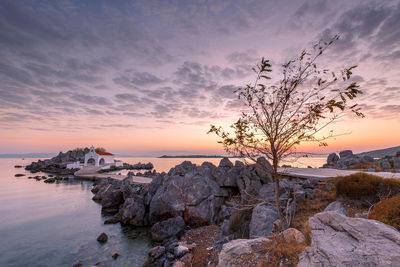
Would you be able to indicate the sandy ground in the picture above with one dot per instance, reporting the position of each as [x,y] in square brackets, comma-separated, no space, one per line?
[328,173]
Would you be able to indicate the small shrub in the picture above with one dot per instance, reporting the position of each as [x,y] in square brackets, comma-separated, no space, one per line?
[363,186]
[281,252]
[387,211]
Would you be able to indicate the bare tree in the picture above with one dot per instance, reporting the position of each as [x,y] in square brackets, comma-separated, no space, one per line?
[295,109]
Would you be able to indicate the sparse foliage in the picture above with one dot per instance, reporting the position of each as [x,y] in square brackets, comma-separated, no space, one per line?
[100,149]
[290,111]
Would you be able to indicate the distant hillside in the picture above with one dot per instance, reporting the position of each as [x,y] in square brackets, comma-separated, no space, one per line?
[29,155]
[193,156]
[379,153]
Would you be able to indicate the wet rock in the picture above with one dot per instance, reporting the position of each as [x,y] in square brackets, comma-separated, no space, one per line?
[111,220]
[102,238]
[19,175]
[17,166]
[262,220]
[168,228]
[49,180]
[338,240]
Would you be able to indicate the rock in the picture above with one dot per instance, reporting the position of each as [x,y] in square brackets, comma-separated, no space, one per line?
[238,252]
[114,255]
[133,211]
[262,220]
[19,175]
[102,238]
[385,164]
[17,166]
[264,170]
[180,250]
[225,163]
[50,180]
[157,252]
[338,207]
[332,159]
[111,221]
[291,234]
[396,162]
[77,265]
[338,240]
[367,159]
[168,228]
[345,154]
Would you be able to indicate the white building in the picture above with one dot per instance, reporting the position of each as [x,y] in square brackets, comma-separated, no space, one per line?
[93,158]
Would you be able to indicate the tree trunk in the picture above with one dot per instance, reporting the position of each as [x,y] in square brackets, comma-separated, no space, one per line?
[278,206]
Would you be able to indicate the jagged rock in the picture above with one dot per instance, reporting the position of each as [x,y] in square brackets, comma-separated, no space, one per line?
[336,206]
[50,180]
[102,238]
[238,251]
[264,170]
[332,159]
[133,211]
[225,163]
[262,220]
[108,193]
[168,228]
[292,234]
[193,195]
[338,240]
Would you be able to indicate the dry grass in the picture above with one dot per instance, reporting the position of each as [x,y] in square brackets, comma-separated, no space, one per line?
[366,188]
[204,237]
[280,252]
[387,211]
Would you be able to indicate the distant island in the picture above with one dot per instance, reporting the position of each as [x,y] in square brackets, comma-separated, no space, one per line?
[379,153]
[195,156]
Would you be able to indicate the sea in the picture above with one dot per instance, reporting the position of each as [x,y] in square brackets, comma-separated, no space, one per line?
[58,224]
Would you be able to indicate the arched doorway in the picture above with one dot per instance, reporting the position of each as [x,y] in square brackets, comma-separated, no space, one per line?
[102,162]
[91,162]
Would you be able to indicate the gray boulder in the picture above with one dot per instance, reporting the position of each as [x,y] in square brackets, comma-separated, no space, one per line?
[238,251]
[345,154]
[262,220]
[225,163]
[385,164]
[264,170]
[168,228]
[336,206]
[338,240]
[133,211]
[332,159]
[396,162]
[367,159]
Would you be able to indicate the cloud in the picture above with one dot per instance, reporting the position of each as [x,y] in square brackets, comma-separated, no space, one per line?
[134,80]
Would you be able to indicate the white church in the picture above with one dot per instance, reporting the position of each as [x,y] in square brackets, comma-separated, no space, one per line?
[96,159]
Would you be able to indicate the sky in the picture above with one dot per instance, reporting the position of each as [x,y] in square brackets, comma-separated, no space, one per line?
[149,77]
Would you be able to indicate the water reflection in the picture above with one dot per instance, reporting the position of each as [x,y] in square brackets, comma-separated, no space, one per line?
[58,224]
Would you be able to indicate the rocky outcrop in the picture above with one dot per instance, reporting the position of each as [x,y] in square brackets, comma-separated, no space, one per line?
[338,240]
[242,252]
[294,235]
[347,160]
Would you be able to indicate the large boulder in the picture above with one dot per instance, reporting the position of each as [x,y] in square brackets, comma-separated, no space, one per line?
[193,195]
[338,240]
[168,228]
[345,154]
[262,221]
[385,164]
[243,252]
[332,159]
[133,211]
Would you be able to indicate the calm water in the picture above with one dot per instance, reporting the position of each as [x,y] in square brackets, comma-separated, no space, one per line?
[57,224]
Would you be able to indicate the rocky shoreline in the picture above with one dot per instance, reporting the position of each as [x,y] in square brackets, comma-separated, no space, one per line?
[58,164]
[347,160]
[190,196]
